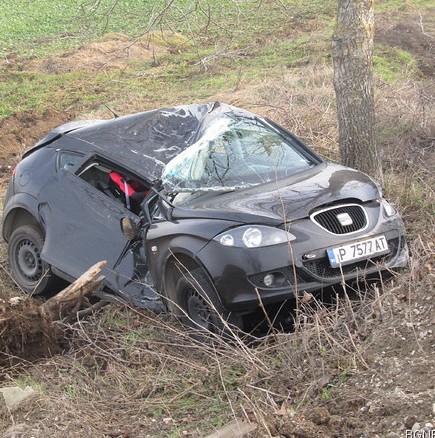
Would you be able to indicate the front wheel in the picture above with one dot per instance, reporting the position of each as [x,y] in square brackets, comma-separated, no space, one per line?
[201,307]
[30,272]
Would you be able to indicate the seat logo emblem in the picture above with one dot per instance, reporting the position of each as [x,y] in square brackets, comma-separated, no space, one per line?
[344,219]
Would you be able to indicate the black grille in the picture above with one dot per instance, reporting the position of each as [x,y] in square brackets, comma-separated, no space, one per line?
[322,268]
[328,220]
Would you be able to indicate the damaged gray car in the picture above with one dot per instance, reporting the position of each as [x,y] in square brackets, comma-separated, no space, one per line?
[204,210]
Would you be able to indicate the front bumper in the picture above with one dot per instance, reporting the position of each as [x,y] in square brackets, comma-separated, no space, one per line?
[238,273]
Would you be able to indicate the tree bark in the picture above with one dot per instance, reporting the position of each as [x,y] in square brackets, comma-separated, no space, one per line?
[352,54]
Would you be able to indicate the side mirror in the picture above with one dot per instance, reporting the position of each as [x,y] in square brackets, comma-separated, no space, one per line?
[129,228]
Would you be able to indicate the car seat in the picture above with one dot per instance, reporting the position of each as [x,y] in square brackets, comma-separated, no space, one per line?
[133,192]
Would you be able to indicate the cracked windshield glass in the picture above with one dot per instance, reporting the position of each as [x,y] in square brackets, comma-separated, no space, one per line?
[233,154]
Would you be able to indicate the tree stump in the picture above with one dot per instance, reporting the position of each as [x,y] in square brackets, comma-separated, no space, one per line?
[27,329]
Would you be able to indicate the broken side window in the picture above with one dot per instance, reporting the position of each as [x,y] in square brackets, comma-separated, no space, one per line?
[116,184]
[68,160]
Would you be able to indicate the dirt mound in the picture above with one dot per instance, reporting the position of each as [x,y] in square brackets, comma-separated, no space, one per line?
[20,132]
[115,53]
[414,36]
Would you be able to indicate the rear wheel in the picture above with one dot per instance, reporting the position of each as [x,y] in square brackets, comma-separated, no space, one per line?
[201,307]
[31,273]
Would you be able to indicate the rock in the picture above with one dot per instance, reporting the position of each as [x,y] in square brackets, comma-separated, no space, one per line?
[13,395]
[410,421]
[318,415]
[415,427]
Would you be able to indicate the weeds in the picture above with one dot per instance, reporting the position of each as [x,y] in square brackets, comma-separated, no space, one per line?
[150,366]
[149,369]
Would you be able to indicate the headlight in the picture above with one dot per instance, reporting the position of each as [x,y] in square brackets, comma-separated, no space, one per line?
[388,208]
[254,236]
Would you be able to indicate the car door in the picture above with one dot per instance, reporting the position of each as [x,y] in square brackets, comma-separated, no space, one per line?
[83,226]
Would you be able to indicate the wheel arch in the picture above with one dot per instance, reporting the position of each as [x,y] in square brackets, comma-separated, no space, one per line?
[174,267]
[195,299]
[16,218]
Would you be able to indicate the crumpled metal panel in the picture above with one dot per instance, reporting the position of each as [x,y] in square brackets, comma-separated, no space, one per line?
[147,141]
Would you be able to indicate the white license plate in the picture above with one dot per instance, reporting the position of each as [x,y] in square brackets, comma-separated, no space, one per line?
[363,249]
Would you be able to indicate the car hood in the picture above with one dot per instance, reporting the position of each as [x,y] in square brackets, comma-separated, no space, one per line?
[286,200]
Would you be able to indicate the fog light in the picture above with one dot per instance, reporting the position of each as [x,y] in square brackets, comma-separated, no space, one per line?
[268,280]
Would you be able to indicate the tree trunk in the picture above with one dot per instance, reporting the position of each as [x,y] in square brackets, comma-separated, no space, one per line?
[352,54]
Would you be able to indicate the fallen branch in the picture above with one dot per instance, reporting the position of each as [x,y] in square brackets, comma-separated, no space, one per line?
[70,299]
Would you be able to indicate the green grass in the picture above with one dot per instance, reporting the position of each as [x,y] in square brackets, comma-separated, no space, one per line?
[42,26]
[73,392]
[27,380]
[392,64]
[24,91]
[400,5]
[212,44]
[292,52]
[24,22]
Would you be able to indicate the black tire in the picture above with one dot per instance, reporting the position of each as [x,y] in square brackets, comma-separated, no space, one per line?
[201,308]
[30,272]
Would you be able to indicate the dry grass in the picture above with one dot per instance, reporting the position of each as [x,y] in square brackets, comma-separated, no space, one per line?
[305,103]
[126,372]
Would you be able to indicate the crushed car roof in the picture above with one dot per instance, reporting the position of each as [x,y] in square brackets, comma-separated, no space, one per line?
[147,141]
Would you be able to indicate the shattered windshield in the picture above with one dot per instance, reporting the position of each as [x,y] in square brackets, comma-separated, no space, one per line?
[235,153]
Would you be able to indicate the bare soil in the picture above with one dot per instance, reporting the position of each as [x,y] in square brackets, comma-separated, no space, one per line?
[412,34]
[114,53]
[20,132]
[381,381]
